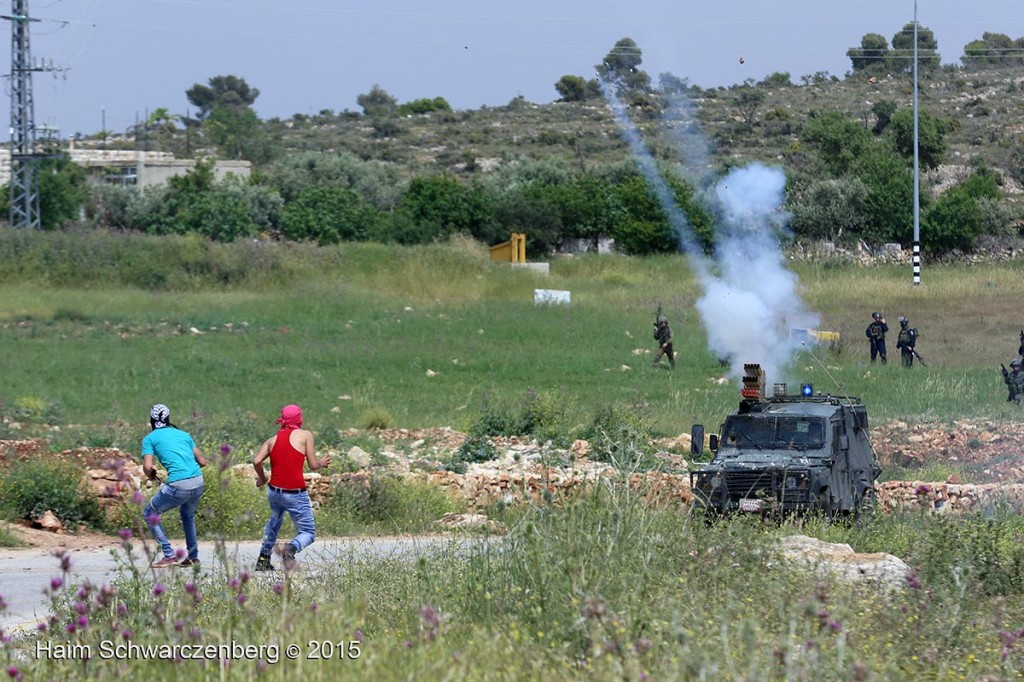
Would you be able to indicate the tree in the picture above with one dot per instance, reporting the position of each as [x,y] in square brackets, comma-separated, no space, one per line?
[778,79]
[377,103]
[62,191]
[238,133]
[890,198]
[222,91]
[994,49]
[572,88]
[931,136]
[830,208]
[621,66]
[839,139]
[956,220]
[748,101]
[438,206]
[883,110]
[903,49]
[328,215]
[872,54]
[673,85]
[423,106]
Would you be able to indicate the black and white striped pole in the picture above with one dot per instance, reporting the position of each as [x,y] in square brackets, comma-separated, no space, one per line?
[917,178]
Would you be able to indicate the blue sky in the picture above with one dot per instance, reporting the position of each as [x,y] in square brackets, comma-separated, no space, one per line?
[123,58]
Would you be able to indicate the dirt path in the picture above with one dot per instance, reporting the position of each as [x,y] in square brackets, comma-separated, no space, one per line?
[26,572]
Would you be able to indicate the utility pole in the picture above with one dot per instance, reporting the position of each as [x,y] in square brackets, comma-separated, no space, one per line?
[917,171]
[24,154]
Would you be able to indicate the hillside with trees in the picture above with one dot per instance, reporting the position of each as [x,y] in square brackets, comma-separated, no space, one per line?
[419,171]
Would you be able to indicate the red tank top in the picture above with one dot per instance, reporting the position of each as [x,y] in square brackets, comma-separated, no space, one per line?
[286,463]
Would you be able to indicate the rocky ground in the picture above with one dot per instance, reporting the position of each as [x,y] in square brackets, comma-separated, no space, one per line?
[987,456]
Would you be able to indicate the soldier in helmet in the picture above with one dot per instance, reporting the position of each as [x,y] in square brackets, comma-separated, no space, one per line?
[663,335]
[906,342]
[1014,380]
[876,336]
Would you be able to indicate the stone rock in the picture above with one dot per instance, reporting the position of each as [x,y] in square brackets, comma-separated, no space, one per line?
[839,561]
[49,521]
[360,457]
[476,522]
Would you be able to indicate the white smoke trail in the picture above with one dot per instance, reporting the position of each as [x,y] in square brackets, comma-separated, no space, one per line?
[750,301]
[751,306]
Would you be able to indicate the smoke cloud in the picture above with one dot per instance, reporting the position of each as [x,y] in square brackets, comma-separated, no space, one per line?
[750,302]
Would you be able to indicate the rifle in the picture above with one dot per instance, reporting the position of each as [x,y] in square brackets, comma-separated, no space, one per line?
[1005,373]
[918,356]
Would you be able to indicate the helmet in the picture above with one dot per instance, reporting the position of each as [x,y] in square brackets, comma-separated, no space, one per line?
[662,319]
[876,316]
[1014,363]
[904,321]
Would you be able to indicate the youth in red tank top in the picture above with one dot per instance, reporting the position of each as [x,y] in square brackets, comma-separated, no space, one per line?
[286,463]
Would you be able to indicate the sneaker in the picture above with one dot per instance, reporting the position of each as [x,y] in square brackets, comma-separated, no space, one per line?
[189,562]
[288,556]
[165,562]
[263,563]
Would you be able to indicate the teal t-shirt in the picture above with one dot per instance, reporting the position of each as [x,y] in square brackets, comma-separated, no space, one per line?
[173,448]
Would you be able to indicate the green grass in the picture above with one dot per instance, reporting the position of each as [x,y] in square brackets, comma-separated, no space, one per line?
[8,538]
[603,587]
[371,322]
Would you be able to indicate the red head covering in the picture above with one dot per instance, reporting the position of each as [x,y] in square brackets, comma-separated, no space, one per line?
[291,417]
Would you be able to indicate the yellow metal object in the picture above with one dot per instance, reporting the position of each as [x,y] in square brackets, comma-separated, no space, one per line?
[512,251]
[818,335]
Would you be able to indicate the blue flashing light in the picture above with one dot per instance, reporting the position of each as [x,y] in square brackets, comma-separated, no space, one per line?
[806,390]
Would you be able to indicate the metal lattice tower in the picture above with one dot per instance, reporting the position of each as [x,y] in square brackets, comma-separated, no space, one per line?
[24,186]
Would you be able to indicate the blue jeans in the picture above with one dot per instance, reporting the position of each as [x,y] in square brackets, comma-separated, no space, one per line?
[299,509]
[185,501]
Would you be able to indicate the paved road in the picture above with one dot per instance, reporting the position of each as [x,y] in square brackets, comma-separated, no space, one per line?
[25,573]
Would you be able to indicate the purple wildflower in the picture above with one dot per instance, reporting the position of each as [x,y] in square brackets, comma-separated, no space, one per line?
[56,583]
[225,449]
[158,589]
[83,621]
[241,598]
[153,519]
[278,588]
[125,534]
[137,499]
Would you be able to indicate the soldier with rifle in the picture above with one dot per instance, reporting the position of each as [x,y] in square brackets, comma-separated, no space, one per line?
[1014,380]
[906,343]
[663,335]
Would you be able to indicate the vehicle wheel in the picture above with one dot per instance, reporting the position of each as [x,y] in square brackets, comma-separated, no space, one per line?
[823,504]
[867,504]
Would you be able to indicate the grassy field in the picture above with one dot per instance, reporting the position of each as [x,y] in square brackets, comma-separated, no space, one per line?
[425,336]
[608,586]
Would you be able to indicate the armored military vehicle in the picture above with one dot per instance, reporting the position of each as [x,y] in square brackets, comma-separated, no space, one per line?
[787,453]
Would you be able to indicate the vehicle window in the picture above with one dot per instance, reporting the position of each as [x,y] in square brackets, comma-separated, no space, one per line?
[801,433]
[750,432]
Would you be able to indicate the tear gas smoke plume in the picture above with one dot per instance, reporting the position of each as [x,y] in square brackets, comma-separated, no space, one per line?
[750,300]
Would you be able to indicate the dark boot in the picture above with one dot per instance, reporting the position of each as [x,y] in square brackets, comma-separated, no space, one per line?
[288,557]
[263,563]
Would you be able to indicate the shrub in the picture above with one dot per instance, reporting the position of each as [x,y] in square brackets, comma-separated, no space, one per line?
[34,486]
[544,415]
[476,449]
[385,503]
[620,435]
[376,418]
